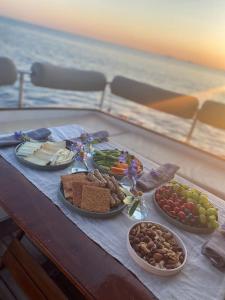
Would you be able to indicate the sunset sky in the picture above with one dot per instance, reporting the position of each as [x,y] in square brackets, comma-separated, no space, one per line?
[192,30]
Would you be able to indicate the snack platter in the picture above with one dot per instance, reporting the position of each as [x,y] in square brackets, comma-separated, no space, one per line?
[84,193]
[192,213]
[47,156]
[156,248]
[98,194]
[115,162]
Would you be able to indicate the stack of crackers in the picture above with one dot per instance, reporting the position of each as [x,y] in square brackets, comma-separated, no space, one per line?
[86,194]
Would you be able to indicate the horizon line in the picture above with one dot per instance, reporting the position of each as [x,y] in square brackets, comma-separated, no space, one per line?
[112,43]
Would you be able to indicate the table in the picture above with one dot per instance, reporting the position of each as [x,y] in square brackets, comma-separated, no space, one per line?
[97,272]
[88,267]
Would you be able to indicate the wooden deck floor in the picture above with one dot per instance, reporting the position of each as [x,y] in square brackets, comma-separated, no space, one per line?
[9,289]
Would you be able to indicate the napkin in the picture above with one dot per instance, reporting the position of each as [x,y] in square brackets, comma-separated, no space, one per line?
[154,178]
[94,138]
[40,134]
[214,249]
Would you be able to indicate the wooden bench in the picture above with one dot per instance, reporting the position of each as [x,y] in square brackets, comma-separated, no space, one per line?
[29,275]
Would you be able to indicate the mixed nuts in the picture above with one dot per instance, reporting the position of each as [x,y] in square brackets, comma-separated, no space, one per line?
[156,245]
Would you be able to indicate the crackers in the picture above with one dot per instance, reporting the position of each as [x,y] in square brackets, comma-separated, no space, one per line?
[95,199]
[77,188]
[92,191]
[67,181]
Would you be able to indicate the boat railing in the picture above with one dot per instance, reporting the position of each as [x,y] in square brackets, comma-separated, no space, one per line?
[51,76]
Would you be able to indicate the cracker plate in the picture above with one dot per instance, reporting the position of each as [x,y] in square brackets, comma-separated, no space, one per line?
[113,212]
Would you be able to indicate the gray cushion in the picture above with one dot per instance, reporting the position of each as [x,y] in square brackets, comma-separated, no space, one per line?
[154,97]
[51,76]
[8,72]
[213,113]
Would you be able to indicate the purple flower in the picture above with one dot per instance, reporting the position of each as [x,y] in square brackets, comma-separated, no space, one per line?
[18,135]
[131,172]
[122,157]
[89,139]
[76,147]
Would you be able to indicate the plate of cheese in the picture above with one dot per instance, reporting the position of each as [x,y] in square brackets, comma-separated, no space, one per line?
[45,155]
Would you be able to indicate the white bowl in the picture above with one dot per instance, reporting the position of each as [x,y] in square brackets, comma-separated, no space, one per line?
[149,268]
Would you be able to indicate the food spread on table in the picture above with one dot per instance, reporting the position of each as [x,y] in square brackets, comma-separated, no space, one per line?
[115,162]
[98,191]
[43,154]
[93,191]
[186,205]
[156,245]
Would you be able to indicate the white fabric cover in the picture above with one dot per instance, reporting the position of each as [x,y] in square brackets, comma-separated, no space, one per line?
[51,76]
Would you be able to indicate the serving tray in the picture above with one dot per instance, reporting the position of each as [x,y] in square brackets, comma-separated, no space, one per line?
[148,267]
[186,227]
[113,212]
[38,167]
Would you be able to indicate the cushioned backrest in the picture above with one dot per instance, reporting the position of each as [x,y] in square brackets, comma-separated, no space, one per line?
[8,72]
[213,113]
[154,97]
[50,76]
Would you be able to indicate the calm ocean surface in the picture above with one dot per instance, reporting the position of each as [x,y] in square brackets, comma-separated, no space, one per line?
[25,44]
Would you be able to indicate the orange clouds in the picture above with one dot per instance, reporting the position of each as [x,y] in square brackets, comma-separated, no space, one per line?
[191,33]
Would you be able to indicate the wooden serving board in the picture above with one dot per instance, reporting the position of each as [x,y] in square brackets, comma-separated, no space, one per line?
[192,229]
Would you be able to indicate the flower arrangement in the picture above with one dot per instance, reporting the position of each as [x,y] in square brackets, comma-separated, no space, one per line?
[21,136]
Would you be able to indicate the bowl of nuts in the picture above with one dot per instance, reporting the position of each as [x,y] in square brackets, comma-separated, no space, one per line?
[156,248]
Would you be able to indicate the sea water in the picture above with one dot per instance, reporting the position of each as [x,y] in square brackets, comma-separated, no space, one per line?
[26,43]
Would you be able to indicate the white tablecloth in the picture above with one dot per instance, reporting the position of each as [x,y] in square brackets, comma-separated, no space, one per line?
[198,280]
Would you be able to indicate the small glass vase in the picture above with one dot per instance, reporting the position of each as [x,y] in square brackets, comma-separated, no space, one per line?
[88,148]
[141,211]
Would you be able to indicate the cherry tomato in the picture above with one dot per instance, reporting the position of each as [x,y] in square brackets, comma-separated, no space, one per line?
[181,215]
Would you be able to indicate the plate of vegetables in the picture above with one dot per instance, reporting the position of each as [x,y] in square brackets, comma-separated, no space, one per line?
[116,162]
[186,208]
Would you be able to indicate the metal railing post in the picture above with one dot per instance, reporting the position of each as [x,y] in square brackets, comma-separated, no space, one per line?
[21,89]
[195,119]
[103,95]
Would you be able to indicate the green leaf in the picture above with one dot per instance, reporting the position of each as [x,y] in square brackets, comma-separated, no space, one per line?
[133,207]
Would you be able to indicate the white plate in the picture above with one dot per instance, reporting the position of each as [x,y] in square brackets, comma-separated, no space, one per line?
[149,268]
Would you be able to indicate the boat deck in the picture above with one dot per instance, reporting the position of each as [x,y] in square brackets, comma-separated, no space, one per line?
[201,168]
